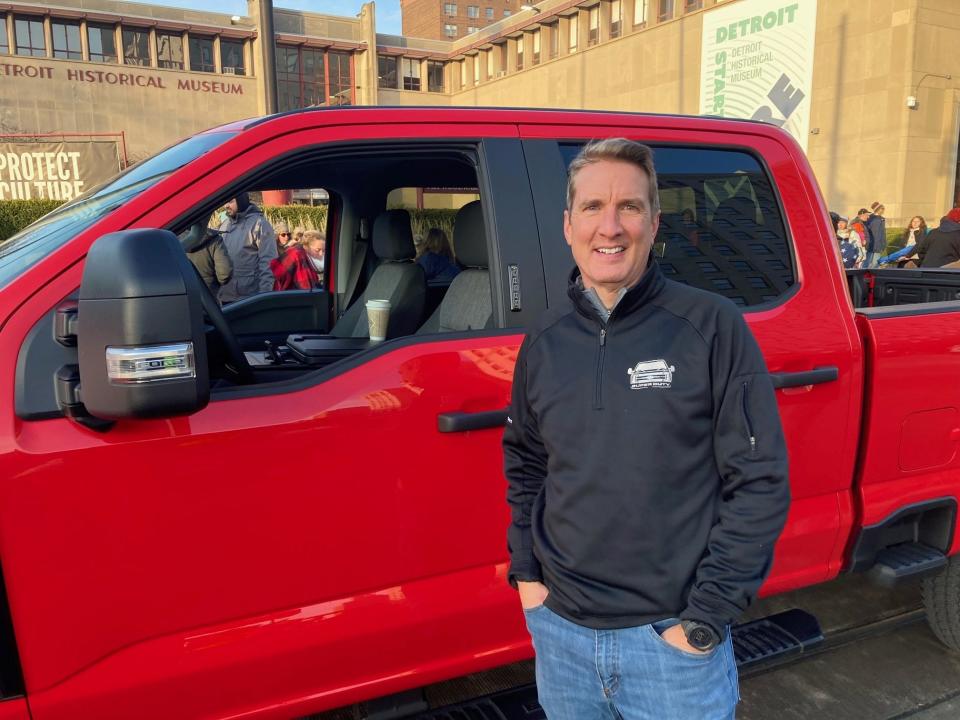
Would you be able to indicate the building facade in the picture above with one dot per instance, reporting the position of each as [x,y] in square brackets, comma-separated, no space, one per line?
[877,91]
[452,19]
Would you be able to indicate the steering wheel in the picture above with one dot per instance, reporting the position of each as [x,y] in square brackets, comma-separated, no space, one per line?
[237,368]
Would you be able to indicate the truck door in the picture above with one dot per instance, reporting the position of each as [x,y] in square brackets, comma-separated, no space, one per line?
[302,543]
[727,226]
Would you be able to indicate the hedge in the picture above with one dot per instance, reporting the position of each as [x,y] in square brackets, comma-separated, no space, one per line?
[15,215]
[309,217]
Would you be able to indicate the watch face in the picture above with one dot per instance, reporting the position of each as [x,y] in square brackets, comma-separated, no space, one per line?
[701,638]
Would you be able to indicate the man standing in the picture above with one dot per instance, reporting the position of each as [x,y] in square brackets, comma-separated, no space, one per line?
[646,468]
[877,234]
[251,244]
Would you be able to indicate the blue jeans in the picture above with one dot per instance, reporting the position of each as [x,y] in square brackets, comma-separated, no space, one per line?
[628,674]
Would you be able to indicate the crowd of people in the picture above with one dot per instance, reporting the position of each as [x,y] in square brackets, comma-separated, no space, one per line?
[863,241]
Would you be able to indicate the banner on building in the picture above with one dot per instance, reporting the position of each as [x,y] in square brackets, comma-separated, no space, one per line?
[38,170]
[757,62]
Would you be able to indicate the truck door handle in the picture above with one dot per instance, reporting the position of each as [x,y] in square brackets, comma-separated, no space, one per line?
[807,377]
[463,421]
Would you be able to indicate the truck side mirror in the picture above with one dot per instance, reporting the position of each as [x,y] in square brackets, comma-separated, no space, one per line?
[141,341]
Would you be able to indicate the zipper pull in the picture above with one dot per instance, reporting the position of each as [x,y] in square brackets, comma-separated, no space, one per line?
[753,444]
[603,337]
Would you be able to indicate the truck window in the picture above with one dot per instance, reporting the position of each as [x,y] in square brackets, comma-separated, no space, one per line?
[41,238]
[721,227]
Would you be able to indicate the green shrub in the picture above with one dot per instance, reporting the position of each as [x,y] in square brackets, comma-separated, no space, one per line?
[309,217]
[896,239]
[422,221]
[15,215]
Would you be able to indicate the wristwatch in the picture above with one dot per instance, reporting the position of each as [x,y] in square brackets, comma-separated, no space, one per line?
[700,635]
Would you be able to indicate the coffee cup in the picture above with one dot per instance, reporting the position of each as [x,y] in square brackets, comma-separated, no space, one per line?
[378,318]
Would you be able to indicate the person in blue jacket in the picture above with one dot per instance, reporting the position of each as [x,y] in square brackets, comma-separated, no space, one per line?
[436,258]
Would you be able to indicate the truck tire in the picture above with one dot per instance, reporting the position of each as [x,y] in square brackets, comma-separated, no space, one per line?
[941,599]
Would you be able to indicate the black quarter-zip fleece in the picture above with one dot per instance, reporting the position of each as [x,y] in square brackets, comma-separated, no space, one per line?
[646,465]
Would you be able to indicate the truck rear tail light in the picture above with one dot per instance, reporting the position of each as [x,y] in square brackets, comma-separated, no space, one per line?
[154,363]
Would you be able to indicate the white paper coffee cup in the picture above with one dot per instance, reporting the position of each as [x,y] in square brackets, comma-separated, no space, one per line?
[378,318]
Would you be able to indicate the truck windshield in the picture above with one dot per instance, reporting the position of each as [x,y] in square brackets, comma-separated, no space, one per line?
[29,246]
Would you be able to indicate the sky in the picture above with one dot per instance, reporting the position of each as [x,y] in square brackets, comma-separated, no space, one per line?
[388,11]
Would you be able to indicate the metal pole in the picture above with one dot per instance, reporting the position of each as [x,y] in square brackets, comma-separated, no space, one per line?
[268,46]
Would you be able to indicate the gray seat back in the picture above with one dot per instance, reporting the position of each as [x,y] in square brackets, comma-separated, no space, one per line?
[397,279]
[468,304]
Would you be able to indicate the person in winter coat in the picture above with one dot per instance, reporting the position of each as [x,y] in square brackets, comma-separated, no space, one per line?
[294,269]
[251,244]
[646,468]
[876,226]
[851,249]
[942,246]
[204,247]
[916,232]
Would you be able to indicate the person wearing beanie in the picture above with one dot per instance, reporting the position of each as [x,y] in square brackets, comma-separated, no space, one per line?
[851,248]
[942,246]
[876,239]
[251,243]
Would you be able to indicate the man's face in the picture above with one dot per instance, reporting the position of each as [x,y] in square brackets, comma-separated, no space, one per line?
[610,227]
[841,224]
[864,216]
[231,208]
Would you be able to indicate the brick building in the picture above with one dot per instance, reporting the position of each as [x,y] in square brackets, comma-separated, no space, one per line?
[452,19]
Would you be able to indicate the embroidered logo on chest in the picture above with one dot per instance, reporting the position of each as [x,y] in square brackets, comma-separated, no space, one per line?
[651,374]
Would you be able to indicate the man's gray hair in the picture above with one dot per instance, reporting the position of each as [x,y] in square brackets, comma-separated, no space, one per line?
[620,149]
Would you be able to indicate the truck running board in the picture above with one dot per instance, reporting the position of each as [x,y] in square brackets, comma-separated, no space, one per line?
[908,560]
[782,635]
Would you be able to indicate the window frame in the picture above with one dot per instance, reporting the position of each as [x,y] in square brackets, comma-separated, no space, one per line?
[32,22]
[450,30]
[640,18]
[573,33]
[384,72]
[66,53]
[616,18]
[240,45]
[432,66]
[666,10]
[137,33]
[473,12]
[412,81]
[169,64]
[197,64]
[593,25]
[450,9]
[103,29]
[4,35]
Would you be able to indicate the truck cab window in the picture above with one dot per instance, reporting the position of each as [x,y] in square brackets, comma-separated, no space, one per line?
[721,227]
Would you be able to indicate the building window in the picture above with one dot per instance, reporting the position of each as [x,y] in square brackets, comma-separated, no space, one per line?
[504,64]
[593,17]
[434,76]
[554,32]
[463,74]
[387,72]
[616,16]
[102,42]
[29,34]
[536,47]
[136,46]
[450,30]
[450,9]
[309,77]
[692,5]
[66,40]
[340,74]
[574,31]
[411,74]
[471,29]
[476,69]
[640,12]
[231,57]
[506,13]
[473,11]
[666,11]
[201,54]
[170,50]
[4,39]
[520,53]
[488,12]
[491,72]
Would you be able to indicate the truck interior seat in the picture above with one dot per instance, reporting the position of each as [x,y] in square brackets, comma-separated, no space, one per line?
[467,304]
[397,279]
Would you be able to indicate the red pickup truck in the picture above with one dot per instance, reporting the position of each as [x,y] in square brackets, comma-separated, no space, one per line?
[256,512]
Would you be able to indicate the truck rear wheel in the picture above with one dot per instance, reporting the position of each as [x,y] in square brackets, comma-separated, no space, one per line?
[941,598]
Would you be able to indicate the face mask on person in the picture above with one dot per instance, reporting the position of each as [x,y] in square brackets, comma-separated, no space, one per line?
[317,263]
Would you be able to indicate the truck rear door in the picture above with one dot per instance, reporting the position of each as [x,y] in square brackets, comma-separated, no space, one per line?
[740,217]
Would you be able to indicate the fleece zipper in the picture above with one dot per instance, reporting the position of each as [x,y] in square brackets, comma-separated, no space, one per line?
[598,395]
[746,418]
